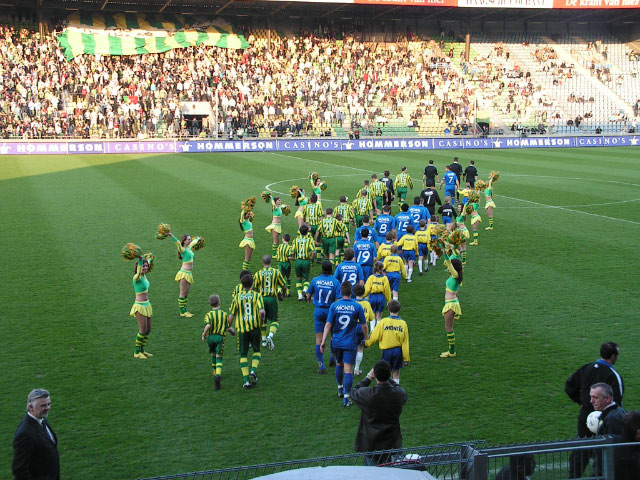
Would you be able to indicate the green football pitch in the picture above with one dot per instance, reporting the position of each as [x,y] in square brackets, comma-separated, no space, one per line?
[556,278]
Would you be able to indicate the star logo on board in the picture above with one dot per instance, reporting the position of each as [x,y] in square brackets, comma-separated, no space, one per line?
[348,145]
[634,141]
[498,143]
[4,149]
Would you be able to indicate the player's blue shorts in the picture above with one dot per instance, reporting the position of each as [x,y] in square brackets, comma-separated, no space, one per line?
[394,357]
[394,280]
[320,315]
[450,192]
[408,255]
[367,270]
[378,302]
[359,335]
[446,220]
[423,249]
[465,200]
[345,355]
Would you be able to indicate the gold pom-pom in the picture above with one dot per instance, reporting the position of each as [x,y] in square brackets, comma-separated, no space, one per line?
[199,244]
[248,204]
[480,185]
[131,251]
[468,209]
[474,197]
[494,176]
[286,209]
[435,245]
[293,191]
[266,196]
[163,231]
[149,258]
[313,177]
[323,186]
[456,238]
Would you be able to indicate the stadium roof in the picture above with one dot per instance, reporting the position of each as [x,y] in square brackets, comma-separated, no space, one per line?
[344,11]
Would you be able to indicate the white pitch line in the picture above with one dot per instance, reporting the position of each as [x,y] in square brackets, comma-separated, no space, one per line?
[570,210]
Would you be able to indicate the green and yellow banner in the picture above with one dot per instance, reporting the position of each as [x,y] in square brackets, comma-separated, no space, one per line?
[137,34]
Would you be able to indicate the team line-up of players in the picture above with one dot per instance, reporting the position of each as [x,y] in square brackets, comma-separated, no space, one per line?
[348,303]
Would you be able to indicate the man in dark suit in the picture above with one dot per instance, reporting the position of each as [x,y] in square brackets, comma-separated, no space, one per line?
[381,407]
[35,445]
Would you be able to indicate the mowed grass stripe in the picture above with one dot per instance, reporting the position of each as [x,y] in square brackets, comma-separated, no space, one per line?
[541,292]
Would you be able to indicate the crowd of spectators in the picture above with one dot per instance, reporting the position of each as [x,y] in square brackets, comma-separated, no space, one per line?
[290,85]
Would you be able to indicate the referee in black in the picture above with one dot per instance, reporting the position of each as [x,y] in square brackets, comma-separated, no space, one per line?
[430,197]
[471,174]
[388,196]
[456,168]
[430,173]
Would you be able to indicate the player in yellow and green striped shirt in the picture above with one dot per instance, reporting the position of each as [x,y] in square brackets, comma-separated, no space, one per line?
[342,239]
[284,255]
[378,189]
[329,229]
[348,214]
[247,309]
[313,214]
[402,184]
[362,206]
[270,283]
[215,329]
[304,249]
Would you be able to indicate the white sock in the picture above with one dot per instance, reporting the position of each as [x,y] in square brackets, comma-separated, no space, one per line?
[270,334]
[264,338]
[359,356]
[406,270]
[397,380]
[409,273]
[395,296]
[420,264]
[372,324]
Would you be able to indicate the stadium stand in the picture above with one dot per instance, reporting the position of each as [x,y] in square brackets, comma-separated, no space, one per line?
[287,84]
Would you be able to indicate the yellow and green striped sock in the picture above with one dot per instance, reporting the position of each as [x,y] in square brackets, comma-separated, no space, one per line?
[299,288]
[244,367]
[218,366]
[273,328]
[245,265]
[182,304]
[274,247]
[491,222]
[451,338]
[464,256]
[255,361]
[139,342]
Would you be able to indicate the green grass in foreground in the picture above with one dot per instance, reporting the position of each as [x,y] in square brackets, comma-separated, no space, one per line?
[556,278]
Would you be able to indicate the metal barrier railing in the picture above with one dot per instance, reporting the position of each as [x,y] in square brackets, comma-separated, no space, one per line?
[461,461]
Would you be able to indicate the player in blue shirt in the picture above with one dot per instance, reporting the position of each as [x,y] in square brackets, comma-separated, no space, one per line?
[349,270]
[344,315]
[323,291]
[451,185]
[365,253]
[403,220]
[418,211]
[384,223]
[366,223]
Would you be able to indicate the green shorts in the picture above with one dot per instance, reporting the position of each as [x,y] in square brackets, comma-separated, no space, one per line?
[379,203]
[329,245]
[285,269]
[314,229]
[249,339]
[359,220]
[270,310]
[302,268]
[339,243]
[216,344]
[402,192]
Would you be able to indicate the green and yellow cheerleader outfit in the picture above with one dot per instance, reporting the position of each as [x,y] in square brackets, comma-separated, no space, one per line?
[475,218]
[141,285]
[488,194]
[187,257]
[302,201]
[452,285]
[277,212]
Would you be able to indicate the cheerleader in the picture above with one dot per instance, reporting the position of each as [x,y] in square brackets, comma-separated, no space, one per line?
[246,216]
[451,310]
[141,308]
[464,230]
[298,194]
[275,228]
[488,195]
[185,245]
[317,185]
